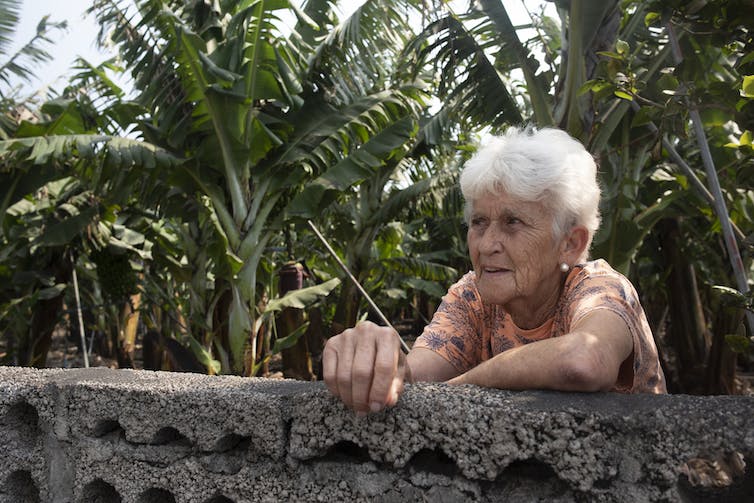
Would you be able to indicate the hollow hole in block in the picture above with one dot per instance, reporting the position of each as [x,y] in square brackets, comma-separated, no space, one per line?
[719,476]
[433,461]
[232,442]
[99,491]
[228,455]
[156,495]
[346,450]
[169,435]
[22,417]
[522,479]
[219,499]
[532,469]
[20,487]
[107,427]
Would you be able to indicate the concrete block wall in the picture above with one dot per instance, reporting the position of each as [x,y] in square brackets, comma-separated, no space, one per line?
[100,435]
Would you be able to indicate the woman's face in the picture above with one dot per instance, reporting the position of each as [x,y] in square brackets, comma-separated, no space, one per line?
[515,257]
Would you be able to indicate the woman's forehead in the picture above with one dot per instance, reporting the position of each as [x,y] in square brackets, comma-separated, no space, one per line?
[503,203]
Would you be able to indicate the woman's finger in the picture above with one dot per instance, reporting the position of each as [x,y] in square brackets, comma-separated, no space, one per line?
[330,365]
[345,366]
[385,370]
[362,371]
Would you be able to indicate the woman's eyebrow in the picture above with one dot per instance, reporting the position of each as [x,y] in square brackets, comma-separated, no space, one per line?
[511,212]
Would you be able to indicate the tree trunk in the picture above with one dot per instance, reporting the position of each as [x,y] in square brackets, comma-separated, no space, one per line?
[128,326]
[721,364]
[297,362]
[347,310]
[33,348]
[220,322]
[315,338]
[687,332]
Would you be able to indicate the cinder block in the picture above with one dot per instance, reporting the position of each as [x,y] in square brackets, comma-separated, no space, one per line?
[139,437]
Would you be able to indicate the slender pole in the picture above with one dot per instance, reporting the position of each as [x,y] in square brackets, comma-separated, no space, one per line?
[696,183]
[78,313]
[719,201]
[376,309]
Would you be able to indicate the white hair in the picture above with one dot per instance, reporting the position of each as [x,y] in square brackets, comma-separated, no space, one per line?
[546,166]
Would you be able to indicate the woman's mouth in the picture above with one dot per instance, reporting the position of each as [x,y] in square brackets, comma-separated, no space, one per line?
[494,270]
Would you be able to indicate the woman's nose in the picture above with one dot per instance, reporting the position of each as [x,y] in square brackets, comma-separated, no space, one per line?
[491,241]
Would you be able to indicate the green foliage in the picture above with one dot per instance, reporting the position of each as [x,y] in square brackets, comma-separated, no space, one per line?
[734,297]
[300,299]
[737,342]
[277,111]
[239,129]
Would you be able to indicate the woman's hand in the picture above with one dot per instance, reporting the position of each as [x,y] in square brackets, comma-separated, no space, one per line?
[365,367]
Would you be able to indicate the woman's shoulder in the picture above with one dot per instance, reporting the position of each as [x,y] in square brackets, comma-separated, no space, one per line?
[597,276]
[598,270]
[598,267]
[596,283]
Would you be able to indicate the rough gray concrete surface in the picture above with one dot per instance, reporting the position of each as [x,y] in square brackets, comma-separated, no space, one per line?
[100,435]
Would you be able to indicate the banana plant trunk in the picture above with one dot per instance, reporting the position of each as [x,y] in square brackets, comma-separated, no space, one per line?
[33,348]
[129,324]
[297,362]
[347,310]
[721,362]
[688,333]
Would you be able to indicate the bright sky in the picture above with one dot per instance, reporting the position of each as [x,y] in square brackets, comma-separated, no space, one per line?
[77,41]
[82,32]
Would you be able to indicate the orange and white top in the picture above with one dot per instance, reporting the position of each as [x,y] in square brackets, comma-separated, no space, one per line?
[466,331]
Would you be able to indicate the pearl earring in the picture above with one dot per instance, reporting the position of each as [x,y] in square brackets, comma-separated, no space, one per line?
[564,267]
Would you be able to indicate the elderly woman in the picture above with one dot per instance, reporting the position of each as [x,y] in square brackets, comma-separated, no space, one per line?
[534,313]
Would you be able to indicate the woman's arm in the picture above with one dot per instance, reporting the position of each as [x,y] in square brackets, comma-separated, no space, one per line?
[426,365]
[586,359]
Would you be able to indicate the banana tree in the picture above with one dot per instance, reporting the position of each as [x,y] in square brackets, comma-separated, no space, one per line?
[253,113]
[48,214]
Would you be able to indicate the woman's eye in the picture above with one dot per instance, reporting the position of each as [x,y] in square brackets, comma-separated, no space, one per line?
[513,221]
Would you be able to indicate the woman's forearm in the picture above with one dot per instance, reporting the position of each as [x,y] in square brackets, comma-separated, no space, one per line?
[574,362]
[424,365]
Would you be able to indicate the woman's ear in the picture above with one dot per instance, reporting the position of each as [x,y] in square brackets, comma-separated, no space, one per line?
[573,245]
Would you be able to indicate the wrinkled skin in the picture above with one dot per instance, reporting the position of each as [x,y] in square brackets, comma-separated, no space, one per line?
[516,258]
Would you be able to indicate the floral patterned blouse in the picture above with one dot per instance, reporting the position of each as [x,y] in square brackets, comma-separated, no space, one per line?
[465,331]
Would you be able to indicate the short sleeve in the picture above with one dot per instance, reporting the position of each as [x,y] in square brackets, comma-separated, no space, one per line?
[603,288]
[455,330]
[611,293]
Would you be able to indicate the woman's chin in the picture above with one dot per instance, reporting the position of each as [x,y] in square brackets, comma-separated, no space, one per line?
[491,295]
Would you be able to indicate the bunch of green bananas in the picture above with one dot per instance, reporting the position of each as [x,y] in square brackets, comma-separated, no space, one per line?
[116,276]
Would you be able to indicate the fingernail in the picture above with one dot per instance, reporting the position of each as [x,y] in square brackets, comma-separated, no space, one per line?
[360,413]
[375,406]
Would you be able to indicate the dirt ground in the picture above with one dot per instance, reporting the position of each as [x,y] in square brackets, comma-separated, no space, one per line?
[64,353]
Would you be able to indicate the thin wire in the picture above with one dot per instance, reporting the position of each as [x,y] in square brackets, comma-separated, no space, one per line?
[78,313]
[384,319]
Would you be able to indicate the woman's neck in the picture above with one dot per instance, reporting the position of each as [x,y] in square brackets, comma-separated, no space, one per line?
[532,313]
